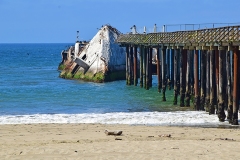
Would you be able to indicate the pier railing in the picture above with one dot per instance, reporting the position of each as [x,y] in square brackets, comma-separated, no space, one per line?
[222,36]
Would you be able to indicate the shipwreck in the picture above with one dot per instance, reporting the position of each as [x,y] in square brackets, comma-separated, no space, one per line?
[99,60]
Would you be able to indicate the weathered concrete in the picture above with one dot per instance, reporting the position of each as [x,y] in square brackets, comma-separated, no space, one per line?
[103,57]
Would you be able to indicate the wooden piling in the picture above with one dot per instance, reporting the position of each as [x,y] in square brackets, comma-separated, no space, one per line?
[163,60]
[147,69]
[168,69]
[207,95]
[192,74]
[131,65]
[217,78]
[144,67]
[229,88]
[196,81]
[225,96]
[172,68]
[141,65]
[176,52]
[203,79]
[235,86]
[188,89]
[150,66]
[158,70]
[221,113]
[135,67]
[127,65]
[212,81]
[182,76]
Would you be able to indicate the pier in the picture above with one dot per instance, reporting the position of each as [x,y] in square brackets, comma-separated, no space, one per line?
[200,64]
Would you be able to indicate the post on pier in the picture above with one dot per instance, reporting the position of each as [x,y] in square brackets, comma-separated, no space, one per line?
[147,68]
[163,60]
[217,77]
[212,100]
[131,65]
[188,89]
[172,68]
[150,66]
[127,65]
[229,86]
[203,79]
[141,65]
[225,96]
[159,70]
[192,73]
[207,96]
[196,81]
[221,113]
[135,67]
[236,60]
[182,75]
[168,69]
[144,66]
[176,52]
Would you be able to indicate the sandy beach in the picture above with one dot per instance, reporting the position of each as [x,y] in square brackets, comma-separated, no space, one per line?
[88,141]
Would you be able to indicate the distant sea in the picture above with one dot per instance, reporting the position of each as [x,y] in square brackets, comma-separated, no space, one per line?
[32,92]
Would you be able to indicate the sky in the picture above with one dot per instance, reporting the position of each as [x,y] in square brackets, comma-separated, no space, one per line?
[57,21]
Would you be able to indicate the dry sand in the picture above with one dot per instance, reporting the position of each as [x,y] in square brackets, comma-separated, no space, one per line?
[88,141]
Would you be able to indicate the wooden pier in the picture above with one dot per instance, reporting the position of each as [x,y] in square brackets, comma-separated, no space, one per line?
[205,65]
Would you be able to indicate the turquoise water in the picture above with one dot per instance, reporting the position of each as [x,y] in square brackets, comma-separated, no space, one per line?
[30,84]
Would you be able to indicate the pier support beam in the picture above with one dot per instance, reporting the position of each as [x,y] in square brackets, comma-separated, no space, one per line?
[182,76]
[168,70]
[163,60]
[203,79]
[144,67]
[235,86]
[207,97]
[172,68]
[217,78]
[229,87]
[196,81]
[212,82]
[221,113]
[131,65]
[135,67]
[141,66]
[150,67]
[147,68]
[192,74]
[188,89]
[127,65]
[159,71]
[176,52]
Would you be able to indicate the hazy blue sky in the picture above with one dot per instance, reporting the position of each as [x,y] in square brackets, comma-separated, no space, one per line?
[37,21]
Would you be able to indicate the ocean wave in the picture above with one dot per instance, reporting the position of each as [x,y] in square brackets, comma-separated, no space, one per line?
[181,118]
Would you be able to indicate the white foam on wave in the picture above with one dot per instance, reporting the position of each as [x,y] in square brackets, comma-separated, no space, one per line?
[186,118]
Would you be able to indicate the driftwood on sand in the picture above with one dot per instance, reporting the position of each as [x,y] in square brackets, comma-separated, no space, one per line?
[116,133]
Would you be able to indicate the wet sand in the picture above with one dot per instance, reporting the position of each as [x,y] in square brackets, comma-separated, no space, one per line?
[88,141]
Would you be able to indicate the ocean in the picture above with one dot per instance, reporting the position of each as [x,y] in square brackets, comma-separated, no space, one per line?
[32,92]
